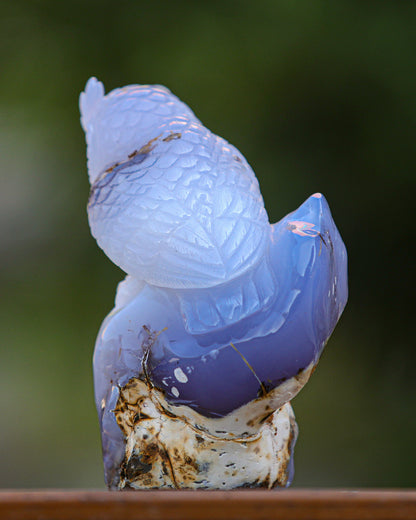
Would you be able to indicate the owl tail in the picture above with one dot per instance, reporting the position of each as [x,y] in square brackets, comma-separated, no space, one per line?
[90,100]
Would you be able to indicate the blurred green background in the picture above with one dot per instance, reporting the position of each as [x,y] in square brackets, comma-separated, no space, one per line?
[319,96]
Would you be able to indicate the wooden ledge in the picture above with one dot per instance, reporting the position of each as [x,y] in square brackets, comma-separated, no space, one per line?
[293,504]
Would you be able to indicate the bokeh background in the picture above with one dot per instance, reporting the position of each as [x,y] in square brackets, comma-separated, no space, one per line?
[319,96]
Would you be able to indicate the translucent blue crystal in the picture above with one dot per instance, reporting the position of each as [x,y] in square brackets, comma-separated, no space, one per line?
[219,307]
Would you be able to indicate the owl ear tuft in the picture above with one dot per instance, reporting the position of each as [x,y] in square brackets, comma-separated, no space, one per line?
[90,100]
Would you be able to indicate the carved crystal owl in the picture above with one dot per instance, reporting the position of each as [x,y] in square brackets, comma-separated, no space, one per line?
[222,316]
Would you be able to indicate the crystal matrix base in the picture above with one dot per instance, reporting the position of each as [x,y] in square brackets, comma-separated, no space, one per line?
[167,449]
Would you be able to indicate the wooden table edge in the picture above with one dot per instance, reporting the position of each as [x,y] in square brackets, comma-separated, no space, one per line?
[294,504]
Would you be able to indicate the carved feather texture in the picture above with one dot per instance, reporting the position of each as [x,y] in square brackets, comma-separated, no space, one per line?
[171,203]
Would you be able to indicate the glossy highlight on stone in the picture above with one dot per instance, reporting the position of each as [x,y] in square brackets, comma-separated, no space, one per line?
[222,315]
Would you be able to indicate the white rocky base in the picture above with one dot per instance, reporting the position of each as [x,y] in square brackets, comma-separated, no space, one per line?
[175,447]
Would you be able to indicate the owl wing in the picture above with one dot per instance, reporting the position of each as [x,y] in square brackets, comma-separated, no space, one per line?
[184,212]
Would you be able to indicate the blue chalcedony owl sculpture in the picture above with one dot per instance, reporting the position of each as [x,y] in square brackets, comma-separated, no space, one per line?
[222,316]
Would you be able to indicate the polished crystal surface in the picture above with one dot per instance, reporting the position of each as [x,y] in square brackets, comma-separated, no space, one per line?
[220,310]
